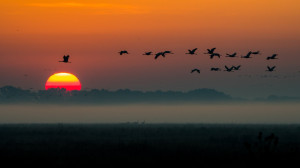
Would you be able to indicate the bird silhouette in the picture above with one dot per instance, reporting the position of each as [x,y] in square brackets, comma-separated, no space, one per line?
[123,52]
[236,67]
[192,52]
[148,53]
[159,54]
[66,59]
[256,52]
[214,54]
[271,69]
[248,55]
[272,57]
[215,69]
[228,69]
[162,54]
[210,51]
[231,55]
[195,70]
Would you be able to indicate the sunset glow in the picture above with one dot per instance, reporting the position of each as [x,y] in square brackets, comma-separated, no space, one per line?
[63,80]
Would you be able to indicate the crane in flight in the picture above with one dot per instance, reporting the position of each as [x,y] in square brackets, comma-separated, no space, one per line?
[231,55]
[66,59]
[192,52]
[272,57]
[210,51]
[148,53]
[236,67]
[215,69]
[270,69]
[247,56]
[159,54]
[228,69]
[195,70]
[123,52]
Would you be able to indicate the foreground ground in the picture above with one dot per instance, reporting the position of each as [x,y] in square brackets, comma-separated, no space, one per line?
[149,145]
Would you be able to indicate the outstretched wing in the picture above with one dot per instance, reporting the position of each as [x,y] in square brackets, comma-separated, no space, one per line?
[194,50]
[213,49]
[249,53]
[273,68]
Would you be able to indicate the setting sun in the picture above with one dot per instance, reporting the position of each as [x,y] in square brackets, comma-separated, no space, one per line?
[63,80]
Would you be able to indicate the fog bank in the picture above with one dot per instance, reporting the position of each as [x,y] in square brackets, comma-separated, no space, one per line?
[256,113]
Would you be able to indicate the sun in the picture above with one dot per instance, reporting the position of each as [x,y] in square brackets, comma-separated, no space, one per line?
[63,80]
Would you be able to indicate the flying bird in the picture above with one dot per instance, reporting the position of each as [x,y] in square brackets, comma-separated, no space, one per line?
[148,53]
[123,52]
[248,55]
[162,54]
[231,55]
[272,57]
[215,69]
[228,69]
[256,53]
[214,54]
[236,67]
[66,59]
[271,69]
[192,52]
[210,51]
[195,70]
[159,54]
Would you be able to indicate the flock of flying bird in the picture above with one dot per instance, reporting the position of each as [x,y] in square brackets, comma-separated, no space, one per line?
[212,54]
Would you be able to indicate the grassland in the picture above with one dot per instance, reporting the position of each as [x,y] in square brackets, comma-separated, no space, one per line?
[148,145]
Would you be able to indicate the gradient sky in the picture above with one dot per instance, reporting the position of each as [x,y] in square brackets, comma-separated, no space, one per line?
[35,34]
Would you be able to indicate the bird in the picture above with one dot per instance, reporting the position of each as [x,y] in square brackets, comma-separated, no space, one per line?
[214,54]
[195,70]
[123,52]
[228,69]
[215,69]
[192,52]
[272,57]
[271,69]
[159,54]
[148,53]
[66,59]
[256,52]
[231,55]
[248,55]
[210,51]
[236,67]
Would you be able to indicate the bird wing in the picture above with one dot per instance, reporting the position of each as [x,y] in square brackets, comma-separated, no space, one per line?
[213,49]
[249,53]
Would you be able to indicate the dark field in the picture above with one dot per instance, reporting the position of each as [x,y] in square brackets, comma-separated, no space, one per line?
[148,145]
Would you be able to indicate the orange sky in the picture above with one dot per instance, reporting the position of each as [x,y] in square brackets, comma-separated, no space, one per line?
[261,17]
[35,34]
